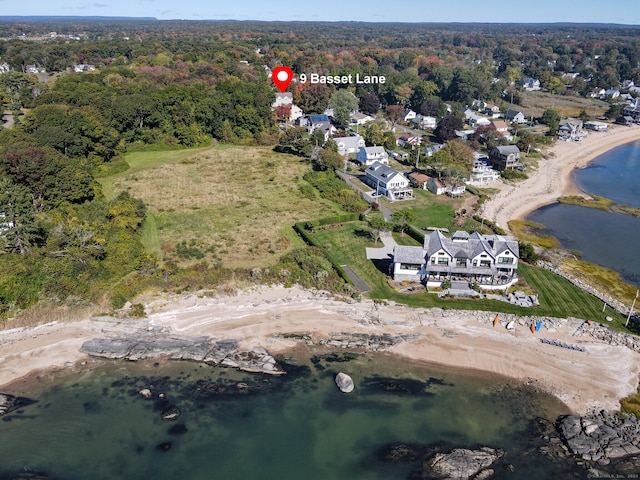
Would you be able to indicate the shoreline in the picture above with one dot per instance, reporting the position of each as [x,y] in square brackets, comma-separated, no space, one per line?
[554,177]
[257,318]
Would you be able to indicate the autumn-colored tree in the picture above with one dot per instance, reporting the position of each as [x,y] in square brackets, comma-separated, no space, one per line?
[394,113]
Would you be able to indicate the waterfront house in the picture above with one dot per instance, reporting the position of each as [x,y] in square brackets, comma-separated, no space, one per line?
[505,157]
[491,261]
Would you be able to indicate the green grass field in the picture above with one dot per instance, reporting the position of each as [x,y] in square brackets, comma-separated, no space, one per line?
[233,205]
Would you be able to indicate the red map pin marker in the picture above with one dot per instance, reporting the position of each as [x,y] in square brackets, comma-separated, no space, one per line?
[282,77]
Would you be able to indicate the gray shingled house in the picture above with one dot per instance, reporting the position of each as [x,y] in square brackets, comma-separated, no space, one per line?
[491,261]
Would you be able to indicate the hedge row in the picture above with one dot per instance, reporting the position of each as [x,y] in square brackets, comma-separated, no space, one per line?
[300,227]
[348,217]
[416,234]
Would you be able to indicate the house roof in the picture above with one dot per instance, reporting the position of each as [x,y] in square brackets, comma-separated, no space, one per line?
[404,254]
[512,114]
[419,177]
[382,172]
[377,151]
[500,124]
[463,245]
[507,149]
[349,142]
[318,118]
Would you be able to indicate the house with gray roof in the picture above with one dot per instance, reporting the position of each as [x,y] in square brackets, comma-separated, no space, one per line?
[349,145]
[389,182]
[370,155]
[505,157]
[515,116]
[491,261]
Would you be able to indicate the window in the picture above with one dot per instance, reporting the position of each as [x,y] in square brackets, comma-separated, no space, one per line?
[485,263]
[505,260]
[461,262]
[410,266]
[443,261]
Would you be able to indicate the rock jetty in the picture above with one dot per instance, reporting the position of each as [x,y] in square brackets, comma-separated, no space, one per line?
[344,382]
[180,347]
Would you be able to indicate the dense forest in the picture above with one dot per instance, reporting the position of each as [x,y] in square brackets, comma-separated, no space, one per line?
[168,84]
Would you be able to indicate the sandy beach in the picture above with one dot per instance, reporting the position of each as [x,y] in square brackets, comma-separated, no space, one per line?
[553,179]
[596,378]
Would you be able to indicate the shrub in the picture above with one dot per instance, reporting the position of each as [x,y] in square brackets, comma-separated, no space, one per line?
[137,310]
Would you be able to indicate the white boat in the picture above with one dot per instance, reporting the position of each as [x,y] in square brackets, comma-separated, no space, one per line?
[511,325]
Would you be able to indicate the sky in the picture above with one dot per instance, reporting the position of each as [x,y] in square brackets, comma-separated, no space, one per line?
[494,11]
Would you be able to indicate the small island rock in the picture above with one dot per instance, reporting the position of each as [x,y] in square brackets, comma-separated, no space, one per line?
[344,382]
[145,393]
[170,413]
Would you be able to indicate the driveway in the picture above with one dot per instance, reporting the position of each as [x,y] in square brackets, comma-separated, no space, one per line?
[386,251]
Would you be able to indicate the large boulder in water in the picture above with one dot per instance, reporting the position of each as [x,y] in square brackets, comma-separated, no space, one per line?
[170,413]
[344,382]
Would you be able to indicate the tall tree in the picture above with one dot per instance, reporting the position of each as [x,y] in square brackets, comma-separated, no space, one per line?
[370,103]
[446,129]
[344,103]
[551,118]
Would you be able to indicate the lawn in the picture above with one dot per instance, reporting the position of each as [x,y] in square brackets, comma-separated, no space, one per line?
[558,297]
[233,205]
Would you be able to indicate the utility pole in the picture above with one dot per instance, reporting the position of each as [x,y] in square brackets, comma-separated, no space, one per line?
[630,311]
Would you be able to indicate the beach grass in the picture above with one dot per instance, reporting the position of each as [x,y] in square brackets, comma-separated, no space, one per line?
[631,404]
[595,201]
[601,278]
[558,297]
[527,231]
[225,204]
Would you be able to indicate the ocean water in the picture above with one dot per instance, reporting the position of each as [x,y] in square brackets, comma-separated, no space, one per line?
[606,238]
[614,175]
[235,425]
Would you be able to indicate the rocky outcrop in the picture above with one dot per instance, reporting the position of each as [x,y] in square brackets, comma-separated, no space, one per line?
[179,347]
[170,413]
[364,340]
[9,403]
[344,382]
[462,463]
[601,436]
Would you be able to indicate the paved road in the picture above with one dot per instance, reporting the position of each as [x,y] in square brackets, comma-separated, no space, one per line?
[357,281]
[347,177]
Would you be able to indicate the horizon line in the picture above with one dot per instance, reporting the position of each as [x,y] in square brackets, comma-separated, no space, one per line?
[372,22]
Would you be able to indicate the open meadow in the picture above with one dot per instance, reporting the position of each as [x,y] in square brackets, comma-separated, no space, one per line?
[233,205]
[535,103]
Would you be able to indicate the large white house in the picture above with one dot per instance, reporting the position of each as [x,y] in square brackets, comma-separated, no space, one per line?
[389,182]
[491,261]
